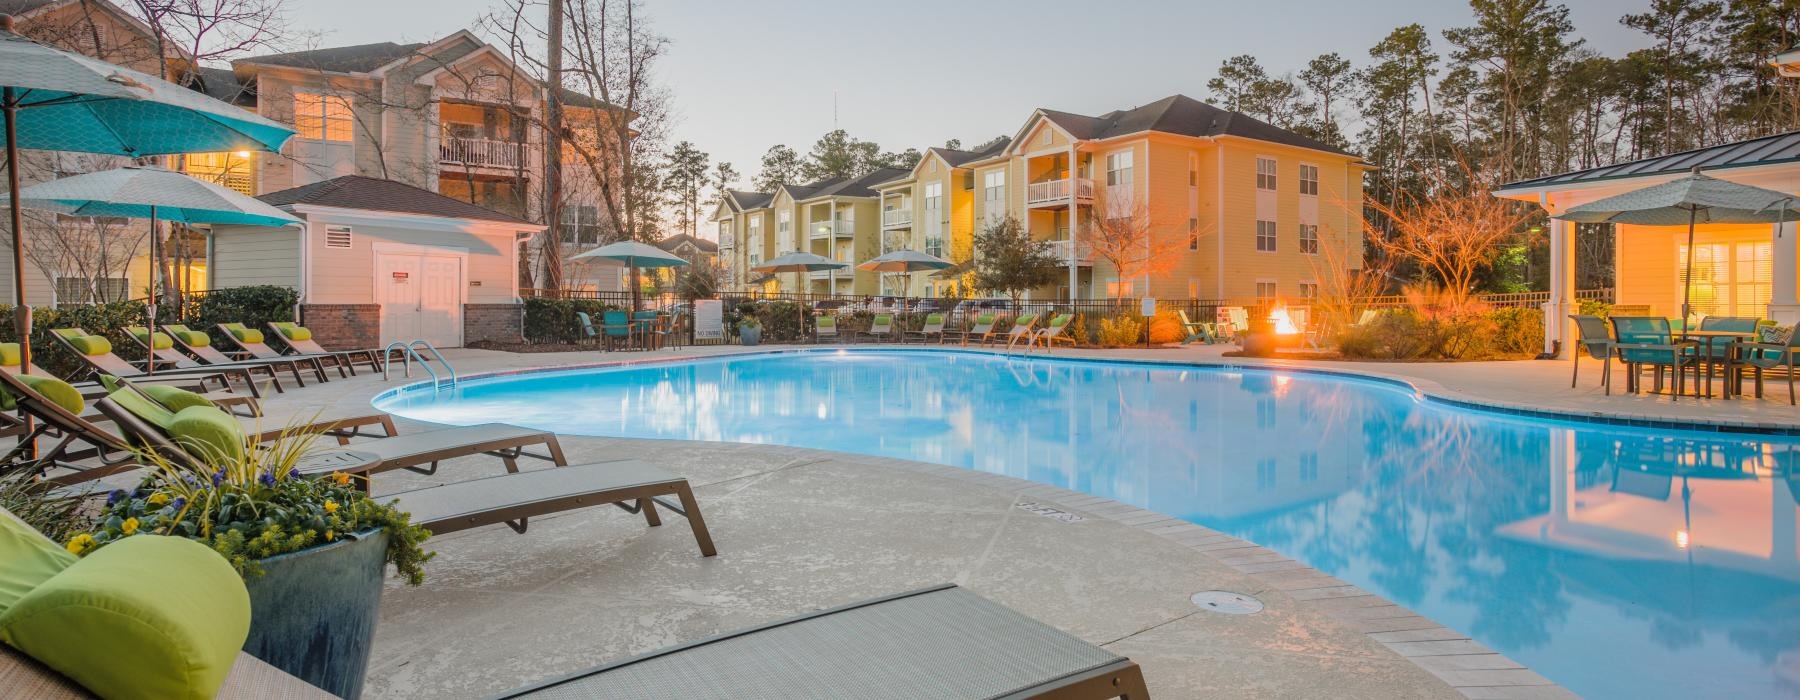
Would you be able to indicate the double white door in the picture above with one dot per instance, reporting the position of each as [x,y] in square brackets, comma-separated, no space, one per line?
[420,296]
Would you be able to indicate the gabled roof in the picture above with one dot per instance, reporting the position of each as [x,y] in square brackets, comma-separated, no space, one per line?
[851,187]
[1184,116]
[671,243]
[745,200]
[1780,148]
[361,58]
[376,194]
[19,7]
[222,84]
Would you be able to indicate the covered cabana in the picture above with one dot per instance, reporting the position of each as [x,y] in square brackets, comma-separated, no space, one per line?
[1739,269]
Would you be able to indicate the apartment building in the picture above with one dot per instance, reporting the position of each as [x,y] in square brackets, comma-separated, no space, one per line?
[837,218]
[1237,208]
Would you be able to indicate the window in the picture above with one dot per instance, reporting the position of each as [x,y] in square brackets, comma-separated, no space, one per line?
[1728,279]
[1265,174]
[1309,180]
[1265,236]
[784,222]
[1047,137]
[1193,288]
[77,291]
[1193,233]
[1309,290]
[1265,291]
[1118,168]
[581,224]
[934,197]
[934,245]
[321,117]
[337,236]
[1265,474]
[993,194]
[229,170]
[1309,238]
[1309,467]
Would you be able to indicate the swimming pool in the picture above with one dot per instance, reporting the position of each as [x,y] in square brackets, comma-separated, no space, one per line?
[1617,561]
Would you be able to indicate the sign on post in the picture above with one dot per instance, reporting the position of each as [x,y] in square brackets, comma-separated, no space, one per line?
[1148,307]
[709,319]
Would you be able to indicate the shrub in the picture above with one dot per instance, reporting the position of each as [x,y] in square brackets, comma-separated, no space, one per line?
[1470,334]
[1165,327]
[1120,331]
[1465,336]
[1396,335]
[108,320]
[1080,328]
[1521,330]
[554,320]
[1591,307]
[784,321]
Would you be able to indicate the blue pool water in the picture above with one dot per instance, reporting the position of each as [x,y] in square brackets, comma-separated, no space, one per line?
[1619,562]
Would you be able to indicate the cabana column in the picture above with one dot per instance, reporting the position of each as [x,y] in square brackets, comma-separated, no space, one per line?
[1558,329]
[1784,297]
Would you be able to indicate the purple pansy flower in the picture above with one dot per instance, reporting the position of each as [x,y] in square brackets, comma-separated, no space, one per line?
[267,478]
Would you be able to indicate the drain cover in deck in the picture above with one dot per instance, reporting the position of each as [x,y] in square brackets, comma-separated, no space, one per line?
[1227,602]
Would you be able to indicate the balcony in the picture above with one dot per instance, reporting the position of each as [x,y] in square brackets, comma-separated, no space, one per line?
[1084,253]
[841,228]
[1055,193]
[821,274]
[896,218]
[486,153]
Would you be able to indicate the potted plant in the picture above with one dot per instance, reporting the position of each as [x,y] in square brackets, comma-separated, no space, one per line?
[312,551]
[750,330]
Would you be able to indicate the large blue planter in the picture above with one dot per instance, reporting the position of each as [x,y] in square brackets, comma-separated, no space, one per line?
[750,335]
[312,612]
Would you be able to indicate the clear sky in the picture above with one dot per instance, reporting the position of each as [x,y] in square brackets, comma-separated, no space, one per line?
[747,75]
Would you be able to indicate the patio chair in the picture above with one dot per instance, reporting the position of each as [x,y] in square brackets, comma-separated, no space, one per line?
[586,323]
[95,352]
[1051,333]
[1022,327]
[652,329]
[1234,321]
[1719,353]
[615,326]
[934,327]
[1762,357]
[980,330]
[1648,341]
[880,328]
[1205,332]
[938,642]
[1596,342]
[198,344]
[299,339]
[825,326]
[250,341]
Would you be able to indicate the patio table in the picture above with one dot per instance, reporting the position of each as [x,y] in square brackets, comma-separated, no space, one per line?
[1709,337]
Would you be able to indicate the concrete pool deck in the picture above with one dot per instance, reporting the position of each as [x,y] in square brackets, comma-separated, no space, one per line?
[802,529]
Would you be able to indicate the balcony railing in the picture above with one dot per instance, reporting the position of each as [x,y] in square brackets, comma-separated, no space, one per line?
[896,218]
[827,229]
[1057,191]
[1084,253]
[485,153]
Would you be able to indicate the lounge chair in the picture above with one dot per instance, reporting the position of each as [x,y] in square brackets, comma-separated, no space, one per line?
[1596,342]
[299,339]
[880,328]
[980,330]
[1648,341]
[1762,357]
[940,642]
[199,345]
[167,357]
[250,342]
[96,353]
[934,327]
[79,450]
[1052,333]
[1022,328]
[1233,321]
[1204,332]
[825,326]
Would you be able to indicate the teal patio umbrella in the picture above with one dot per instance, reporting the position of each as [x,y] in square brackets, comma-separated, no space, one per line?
[1695,199]
[634,255]
[57,100]
[151,193]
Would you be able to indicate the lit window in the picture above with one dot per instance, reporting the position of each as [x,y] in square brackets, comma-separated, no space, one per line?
[321,117]
[1265,236]
[1309,180]
[1265,174]
[1309,238]
[1265,291]
[1118,168]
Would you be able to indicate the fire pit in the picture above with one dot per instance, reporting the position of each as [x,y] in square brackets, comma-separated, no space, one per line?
[1271,333]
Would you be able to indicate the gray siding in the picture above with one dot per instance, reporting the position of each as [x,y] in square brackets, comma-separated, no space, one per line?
[252,255]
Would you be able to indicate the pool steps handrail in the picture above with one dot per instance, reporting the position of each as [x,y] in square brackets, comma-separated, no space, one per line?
[408,353]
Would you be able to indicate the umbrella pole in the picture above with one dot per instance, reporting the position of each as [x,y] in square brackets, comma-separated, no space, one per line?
[1687,284]
[150,330]
[9,110]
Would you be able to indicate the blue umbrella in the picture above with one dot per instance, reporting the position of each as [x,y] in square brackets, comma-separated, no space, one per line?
[57,100]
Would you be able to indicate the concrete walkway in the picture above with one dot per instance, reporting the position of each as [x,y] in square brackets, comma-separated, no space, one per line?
[802,529]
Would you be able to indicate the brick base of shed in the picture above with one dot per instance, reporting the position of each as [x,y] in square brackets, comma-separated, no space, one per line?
[343,326]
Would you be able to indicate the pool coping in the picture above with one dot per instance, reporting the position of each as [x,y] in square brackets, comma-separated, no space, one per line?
[1468,666]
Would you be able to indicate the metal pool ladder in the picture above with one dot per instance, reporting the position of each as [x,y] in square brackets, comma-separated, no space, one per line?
[408,354]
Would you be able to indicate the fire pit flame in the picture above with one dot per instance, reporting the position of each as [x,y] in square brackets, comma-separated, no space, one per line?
[1283,324]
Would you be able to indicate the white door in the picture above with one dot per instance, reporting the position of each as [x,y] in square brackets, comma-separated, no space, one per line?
[420,297]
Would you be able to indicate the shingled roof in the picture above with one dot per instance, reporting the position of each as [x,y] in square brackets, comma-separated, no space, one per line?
[674,242]
[747,200]
[222,84]
[1183,115]
[376,194]
[361,58]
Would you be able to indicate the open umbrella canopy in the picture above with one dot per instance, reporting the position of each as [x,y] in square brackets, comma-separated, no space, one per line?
[634,254]
[70,102]
[143,192]
[904,261]
[1705,199]
[799,262]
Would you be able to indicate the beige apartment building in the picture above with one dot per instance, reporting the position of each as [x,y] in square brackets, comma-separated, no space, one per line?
[1237,208]
[837,218]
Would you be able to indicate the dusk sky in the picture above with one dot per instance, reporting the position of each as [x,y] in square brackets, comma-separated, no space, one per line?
[747,75]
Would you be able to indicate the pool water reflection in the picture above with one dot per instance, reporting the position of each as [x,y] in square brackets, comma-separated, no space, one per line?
[1619,562]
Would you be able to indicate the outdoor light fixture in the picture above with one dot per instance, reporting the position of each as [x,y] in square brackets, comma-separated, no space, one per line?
[1681,539]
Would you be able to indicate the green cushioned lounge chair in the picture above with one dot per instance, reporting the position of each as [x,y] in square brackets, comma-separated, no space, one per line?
[253,344]
[1022,328]
[933,328]
[1052,333]
[825,326]
[980,330]
[299,341]
[199,345]
[96,354]
[880,328]
[944,643]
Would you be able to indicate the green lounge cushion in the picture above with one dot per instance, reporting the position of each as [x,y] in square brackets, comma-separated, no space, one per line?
[827,321]
[208,434]
[245,335]
[30,559]
[10,355]
[147,616]
[143,407]
[158,341]
[55,391]
[91,345]
[174,398]
[193,339]
[292,331]
[934,319]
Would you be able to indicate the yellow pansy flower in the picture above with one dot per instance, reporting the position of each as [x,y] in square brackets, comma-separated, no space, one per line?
[330,536]
[340,478]
[129,527]
[331,506]
[80,543]
[158,499]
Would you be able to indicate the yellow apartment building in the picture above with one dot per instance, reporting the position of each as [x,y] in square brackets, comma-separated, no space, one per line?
[835,218]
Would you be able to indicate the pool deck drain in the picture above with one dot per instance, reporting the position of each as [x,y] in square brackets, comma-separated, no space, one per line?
[1227,602]
[1464,665]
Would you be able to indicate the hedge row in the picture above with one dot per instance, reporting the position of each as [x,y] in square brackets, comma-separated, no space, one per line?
[252,306]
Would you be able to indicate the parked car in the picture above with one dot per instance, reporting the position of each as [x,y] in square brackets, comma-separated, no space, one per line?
[824,305]
[974,307]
